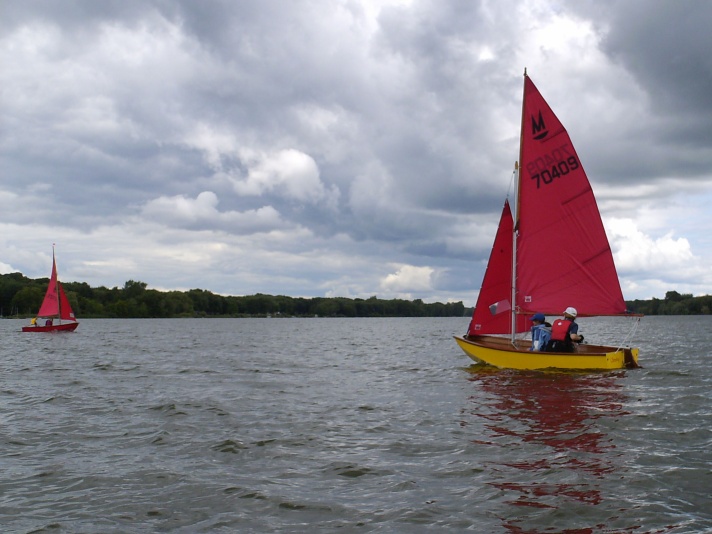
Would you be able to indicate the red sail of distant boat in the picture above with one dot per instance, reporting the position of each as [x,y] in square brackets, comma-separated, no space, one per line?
[492,311]
[55,304]
[563,255]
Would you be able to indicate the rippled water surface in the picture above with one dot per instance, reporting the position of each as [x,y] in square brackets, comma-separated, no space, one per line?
[346,425]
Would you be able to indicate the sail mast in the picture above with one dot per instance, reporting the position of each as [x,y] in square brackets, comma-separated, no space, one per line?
[512,311]
[56,287]
[515,227]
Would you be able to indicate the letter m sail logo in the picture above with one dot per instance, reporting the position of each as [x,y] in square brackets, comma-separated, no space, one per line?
[539,130]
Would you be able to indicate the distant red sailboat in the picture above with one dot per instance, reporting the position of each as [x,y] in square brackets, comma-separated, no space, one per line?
[54,306]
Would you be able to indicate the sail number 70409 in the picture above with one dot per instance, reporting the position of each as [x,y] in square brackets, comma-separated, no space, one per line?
[562,168]
[559,162]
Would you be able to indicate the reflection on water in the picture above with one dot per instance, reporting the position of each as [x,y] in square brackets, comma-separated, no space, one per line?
[545,436]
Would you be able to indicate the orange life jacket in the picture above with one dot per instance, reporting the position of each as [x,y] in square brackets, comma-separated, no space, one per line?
[560,329]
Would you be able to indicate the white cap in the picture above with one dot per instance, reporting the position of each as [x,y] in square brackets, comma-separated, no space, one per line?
[570,311]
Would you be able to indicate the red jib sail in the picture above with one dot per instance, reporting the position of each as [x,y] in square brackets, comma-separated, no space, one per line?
[563,255]
[492,313]
[65,310]
[55,303]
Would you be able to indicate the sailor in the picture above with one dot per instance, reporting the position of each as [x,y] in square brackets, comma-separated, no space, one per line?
[33,322]
[541,332]
[564,333]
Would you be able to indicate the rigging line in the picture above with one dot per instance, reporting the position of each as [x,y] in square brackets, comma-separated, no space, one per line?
[512,181]
[629,336]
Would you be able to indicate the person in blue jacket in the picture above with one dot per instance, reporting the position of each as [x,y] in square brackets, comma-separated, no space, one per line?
[541,332]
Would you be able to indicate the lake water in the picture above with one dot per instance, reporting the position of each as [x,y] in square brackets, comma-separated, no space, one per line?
[347,425]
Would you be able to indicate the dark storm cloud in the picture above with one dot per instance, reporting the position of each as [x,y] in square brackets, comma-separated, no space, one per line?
[665,48]
[665,45]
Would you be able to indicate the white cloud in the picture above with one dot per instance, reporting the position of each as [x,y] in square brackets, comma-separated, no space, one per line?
[408,278]
[651,266]
[186,212]
[290,173]
[212,143]
[287,173]
[636,251]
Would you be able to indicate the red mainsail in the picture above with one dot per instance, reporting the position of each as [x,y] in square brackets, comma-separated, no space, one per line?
[563,255]
[493,309]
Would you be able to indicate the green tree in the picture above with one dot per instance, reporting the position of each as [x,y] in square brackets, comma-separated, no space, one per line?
[90,308]
[134,289]
[258,304]
[27,300]
[178,304]
[10,284]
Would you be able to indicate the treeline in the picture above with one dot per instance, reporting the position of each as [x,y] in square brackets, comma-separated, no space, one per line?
[674,303]
[21,296]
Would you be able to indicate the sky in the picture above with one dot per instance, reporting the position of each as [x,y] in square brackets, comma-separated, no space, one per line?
[341,148]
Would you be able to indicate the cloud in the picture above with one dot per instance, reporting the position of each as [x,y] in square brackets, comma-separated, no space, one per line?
[289,172]
[202,212]
[407,279]
[647,264]
[639,252]
[317,148]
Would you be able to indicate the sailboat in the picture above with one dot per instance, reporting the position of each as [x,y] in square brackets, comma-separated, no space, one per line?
[550,253]
[54,306]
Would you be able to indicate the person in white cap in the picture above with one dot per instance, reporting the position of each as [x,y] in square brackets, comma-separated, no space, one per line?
[564,333]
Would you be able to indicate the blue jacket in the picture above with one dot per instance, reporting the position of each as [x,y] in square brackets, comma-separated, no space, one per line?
[541,333]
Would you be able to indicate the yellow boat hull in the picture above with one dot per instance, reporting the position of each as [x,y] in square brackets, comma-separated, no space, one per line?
[500,352]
